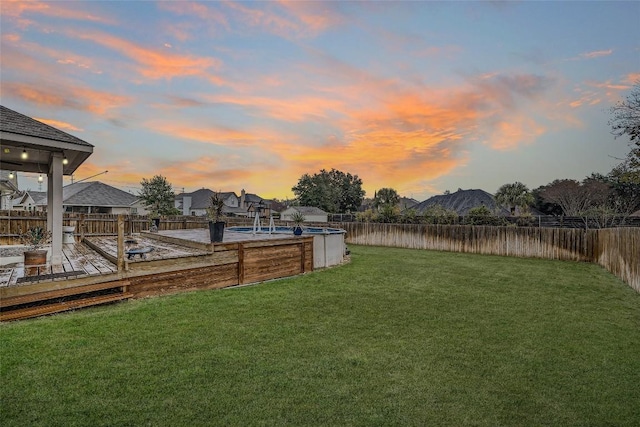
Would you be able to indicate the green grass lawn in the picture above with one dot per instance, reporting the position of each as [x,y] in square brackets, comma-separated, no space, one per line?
[396,337]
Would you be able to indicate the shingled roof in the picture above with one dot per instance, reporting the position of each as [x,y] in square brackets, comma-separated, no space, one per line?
[96,194]
[309,210]
[14,122]
[200,199]
[462,201]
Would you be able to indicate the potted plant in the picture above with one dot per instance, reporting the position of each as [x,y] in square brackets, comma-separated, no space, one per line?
[215,215]
[154,224]
[35,256]
[297,218]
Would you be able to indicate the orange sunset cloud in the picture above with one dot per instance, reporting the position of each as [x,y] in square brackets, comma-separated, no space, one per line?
[152,63]
[83,99]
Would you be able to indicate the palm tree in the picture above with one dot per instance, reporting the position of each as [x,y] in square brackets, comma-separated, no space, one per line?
[514,195]
[385,197]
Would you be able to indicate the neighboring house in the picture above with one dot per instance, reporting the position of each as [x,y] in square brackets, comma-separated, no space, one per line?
[403,203]
[196,203]
[462,201]
[8,188]
[311,213]
[86,197]
[407,203]
[96,197]
[32,201]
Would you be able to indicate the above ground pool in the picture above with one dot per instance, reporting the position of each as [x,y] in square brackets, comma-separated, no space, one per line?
[328,243]
[287,230]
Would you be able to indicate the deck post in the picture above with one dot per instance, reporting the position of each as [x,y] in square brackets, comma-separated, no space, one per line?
[121,266]
[240,264]
[81,226]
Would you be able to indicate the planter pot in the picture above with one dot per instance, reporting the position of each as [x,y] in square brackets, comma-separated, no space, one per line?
[216,231]
[67,234]
[297,230]
[34,262]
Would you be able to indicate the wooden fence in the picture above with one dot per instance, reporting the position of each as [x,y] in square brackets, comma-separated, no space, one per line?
[617,250]
[13,223]
[551,221]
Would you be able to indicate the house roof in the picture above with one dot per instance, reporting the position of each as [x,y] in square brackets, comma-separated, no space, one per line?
[14,122]
[309,210]
[20,133]
[407,202]
[38,197]
[199,198]
[253,198]
[95,194]
[462,201]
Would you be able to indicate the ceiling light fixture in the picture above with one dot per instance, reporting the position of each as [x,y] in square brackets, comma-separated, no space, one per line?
[40,178]
[24,155]
[11,175]
[65,161]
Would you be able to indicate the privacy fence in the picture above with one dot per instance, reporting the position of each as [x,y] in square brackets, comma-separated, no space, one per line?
[616,249]
[551,221]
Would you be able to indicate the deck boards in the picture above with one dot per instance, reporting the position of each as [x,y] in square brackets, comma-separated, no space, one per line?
[75,258]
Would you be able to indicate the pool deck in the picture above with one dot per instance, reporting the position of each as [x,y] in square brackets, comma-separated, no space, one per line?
[181,260]
[82,260]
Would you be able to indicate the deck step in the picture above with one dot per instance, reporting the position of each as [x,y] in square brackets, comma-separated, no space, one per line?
[24,313]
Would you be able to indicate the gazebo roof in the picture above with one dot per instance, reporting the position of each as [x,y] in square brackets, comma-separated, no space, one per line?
[20,133]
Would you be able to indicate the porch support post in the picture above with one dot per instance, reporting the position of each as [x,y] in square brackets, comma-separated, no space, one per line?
[54,207]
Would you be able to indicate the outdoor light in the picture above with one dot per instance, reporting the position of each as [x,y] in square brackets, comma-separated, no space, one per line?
[40,178]
[24,155]
[11,175]
[65,161]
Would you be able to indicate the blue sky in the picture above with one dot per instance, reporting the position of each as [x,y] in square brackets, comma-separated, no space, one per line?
[421,97]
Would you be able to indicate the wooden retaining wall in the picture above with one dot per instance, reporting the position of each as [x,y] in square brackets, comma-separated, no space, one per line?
[229,264]
[617,249]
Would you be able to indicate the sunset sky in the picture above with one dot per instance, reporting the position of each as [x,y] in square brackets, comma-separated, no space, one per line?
[421,97]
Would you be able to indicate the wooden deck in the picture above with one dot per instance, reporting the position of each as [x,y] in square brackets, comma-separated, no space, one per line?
[182,260]
[96,257]
[78,260]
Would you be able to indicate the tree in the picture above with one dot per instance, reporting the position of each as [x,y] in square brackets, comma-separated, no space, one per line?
[626,116]
[625,178]
[158,196]
[332,191]
[386,197]
[513,196]
[544,206]
[625,182]
[482,215]
[575,198]
[437,214]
